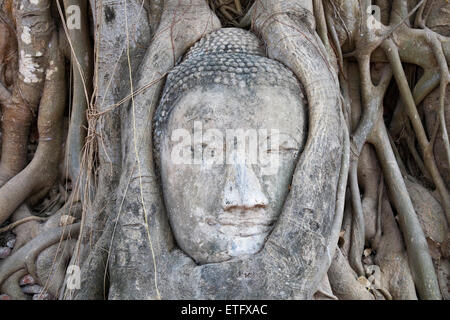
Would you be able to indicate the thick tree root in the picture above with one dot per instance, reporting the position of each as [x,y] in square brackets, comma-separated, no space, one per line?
[344,280]
[416,245]
[369,174]
[31,18]
[26,231]
[138,164]
[51,265]
[11,286]
[21,259]
[82,64]
[392,259]
[427,148]
[41,173]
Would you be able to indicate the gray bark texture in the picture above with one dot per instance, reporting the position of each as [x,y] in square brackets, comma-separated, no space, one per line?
[366,210]
[144,263]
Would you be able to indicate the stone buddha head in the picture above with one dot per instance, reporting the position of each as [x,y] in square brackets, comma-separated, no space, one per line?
[228,132]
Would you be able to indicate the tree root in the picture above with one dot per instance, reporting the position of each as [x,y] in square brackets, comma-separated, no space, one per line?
[427,148]
[344,281]
[369,174]
[21,109]
[358,232]
[21,259]
[41,173]
[429,211]
[94,271]
[344,241]
[434,41]
[392,259]
[371,100]
[416,245]
[26,231]
[431,115]
[51,265]
[19,222]
[187,23]
[11,286]
[82,64]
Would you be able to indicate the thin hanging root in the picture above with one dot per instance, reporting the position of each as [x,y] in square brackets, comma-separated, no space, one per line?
[41,173]
[24,220]
[392,53]
[358,231]
[20,259]
[19,112]
[419,257]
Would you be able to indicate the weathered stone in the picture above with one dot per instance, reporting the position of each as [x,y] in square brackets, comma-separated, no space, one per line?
[4,252]
[11,243]
[223,207]
[27,280]
[32,289]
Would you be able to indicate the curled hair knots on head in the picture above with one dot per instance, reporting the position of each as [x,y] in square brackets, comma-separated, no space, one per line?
[230,57]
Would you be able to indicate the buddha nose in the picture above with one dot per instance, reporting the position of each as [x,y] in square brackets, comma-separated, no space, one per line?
[242,188]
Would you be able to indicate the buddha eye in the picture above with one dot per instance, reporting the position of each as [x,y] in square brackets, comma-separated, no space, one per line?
[289,145]
[282,143]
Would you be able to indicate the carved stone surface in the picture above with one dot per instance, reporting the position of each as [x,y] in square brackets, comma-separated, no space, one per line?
[221,206]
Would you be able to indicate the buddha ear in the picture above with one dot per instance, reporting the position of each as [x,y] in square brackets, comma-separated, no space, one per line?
[317,206]
[181,25]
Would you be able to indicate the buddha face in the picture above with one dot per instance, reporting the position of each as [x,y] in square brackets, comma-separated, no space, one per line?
[227,160]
